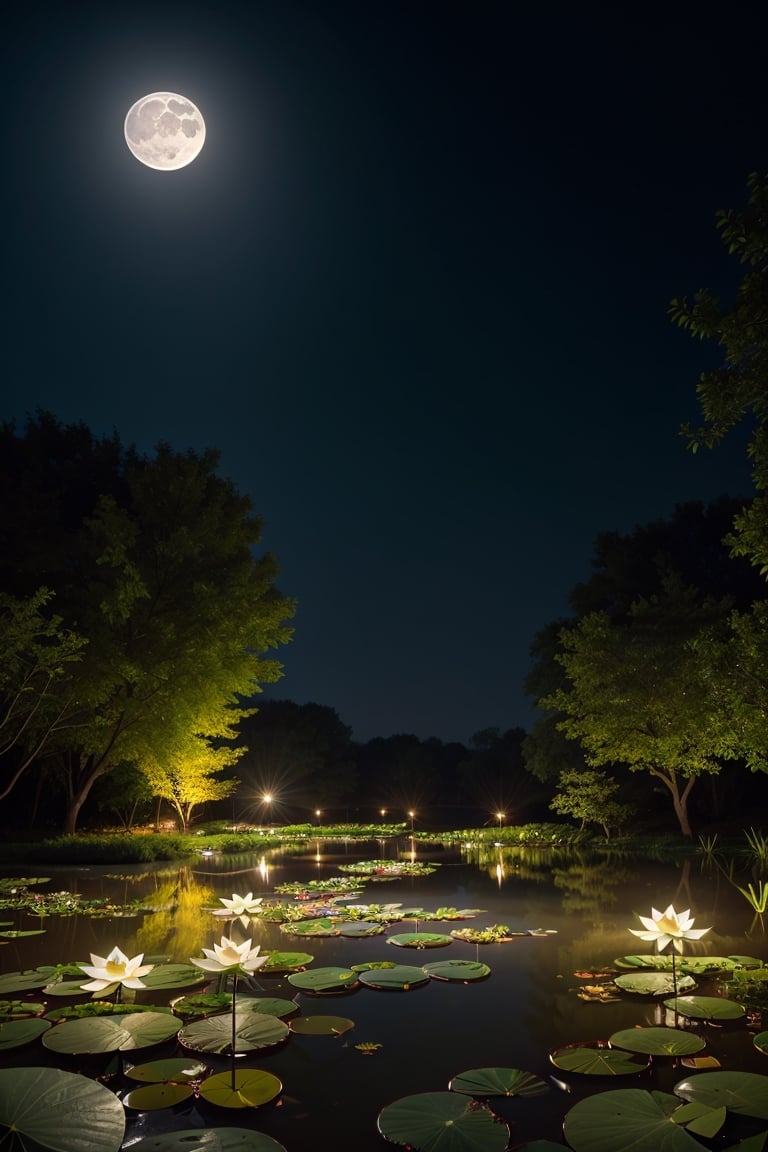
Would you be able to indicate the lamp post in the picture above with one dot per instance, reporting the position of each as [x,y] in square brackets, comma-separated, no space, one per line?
[499,817]
[267,799]
[318,814]
[411,814]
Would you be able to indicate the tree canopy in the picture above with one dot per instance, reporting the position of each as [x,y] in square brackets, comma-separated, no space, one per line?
[152,560]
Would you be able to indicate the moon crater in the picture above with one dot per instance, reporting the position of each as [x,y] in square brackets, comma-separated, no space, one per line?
[164,131]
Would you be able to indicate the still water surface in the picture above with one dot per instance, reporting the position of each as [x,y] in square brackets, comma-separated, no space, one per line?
[332,1093]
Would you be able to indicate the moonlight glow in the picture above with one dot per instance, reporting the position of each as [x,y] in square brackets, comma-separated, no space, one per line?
[164,131]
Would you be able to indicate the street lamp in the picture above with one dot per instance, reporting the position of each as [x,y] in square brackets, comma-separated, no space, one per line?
[411,814]
[318,814]
[499,817]
[383,813]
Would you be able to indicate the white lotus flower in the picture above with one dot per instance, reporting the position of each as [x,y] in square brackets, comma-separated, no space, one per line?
[242,906]
[668,926]
[231,957]
[114,970]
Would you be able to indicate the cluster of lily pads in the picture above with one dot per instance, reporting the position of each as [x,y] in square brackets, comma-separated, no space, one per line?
[224,1012]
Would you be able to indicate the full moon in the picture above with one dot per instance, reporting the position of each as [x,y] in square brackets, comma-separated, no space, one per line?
[164,131]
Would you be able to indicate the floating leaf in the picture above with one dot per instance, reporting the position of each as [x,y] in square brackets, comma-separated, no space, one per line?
[360,928]
[55,1111]
[401,978]
[761,1042]
[368,1048]
[252,1088]
[153,1097]
[177,1070]
[267,1005]
[653,983]
[147,1028]
[325,981]
[743,1092]
[173,976]
[252,1031]
[23,981]
[321,1025]
[100,1034]
[442,1122]
[705,1007]
[597,1060]
[15,933]
[16,1033]
[209,1140]
[372,965]
[466,970]
[420,940]
[498,1082]
[700,1119]
[625,1120]
[658,1041]
[279,962]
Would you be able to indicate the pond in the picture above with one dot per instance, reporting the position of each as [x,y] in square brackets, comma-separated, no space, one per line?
[569,918]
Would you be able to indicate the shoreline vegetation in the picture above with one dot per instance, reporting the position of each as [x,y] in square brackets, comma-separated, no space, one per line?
[144,846]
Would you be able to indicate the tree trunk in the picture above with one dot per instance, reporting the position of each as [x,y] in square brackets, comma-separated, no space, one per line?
[679,798]
[81,777]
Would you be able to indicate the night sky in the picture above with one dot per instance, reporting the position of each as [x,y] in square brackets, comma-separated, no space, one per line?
[414,289]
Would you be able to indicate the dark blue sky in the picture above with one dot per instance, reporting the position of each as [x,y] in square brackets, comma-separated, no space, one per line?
[414,289]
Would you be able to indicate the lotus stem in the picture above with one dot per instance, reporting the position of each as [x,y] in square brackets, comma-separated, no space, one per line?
[234,1040]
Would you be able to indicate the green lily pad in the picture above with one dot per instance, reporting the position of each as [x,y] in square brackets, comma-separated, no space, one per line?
[209,1140]
[321,1025]
[176,1070]
[153,1097]
[360,928]
[68,987]
[745,1093]
[321,926]
[705,1007]
[198,1004]
[658,1041]
[16,1009]
[761,1042]
[16,1033]
[597,1060]
[400,978]
[625,1120]
[371,965]
[652,960]
[174,976]
[55,1111]
[15,933]
[653,983]
[252,1031]
[267,1005]
[747,961]
[280,962]
[146,1028]
[252,1088]
[442,1122]
[498,1082]
[99,1034]
[420,940]
[464,970]
[22,981]
[700,1119]
[325,981]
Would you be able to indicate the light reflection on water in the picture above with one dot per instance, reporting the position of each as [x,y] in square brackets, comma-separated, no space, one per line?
[332,1093]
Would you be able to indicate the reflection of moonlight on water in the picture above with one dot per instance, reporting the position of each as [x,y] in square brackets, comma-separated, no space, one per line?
[164,131]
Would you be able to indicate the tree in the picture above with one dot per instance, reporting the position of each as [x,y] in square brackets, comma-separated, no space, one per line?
[641,693]
[589,796]
[187,776]
[494,775]
[736,393]
[37,701]
[153,561]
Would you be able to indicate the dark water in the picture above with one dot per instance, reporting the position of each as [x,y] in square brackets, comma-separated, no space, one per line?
[332,1093]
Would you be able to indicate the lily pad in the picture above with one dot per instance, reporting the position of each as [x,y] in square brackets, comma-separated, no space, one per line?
[420,940]
[658,1041]
[209,1140]
[321,1025]
[442,1122]
[23,981]
[653,983]
[56,1111]
[252,1088]
[15,933]
[745,1093]
[280,962]
[177,1070]
[99,1034]
[464,970]
[320,926]
[597,1060]
[360,928]
[252,1031]
[325,981]
[174,976]
[267,1006]
[16,1033]
[625,1120]
[761,1042]
[68,987]
[146,1028]
[400,978]
[498,1082]
[371,965]
[705,1007]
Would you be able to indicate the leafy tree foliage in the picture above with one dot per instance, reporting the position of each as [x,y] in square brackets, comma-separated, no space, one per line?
[736,393]
[640,691]
[152,561]
[37,701]
[188,776]
[590,797]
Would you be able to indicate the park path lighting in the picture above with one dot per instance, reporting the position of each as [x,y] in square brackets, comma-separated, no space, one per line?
[499,817]
[411,814]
